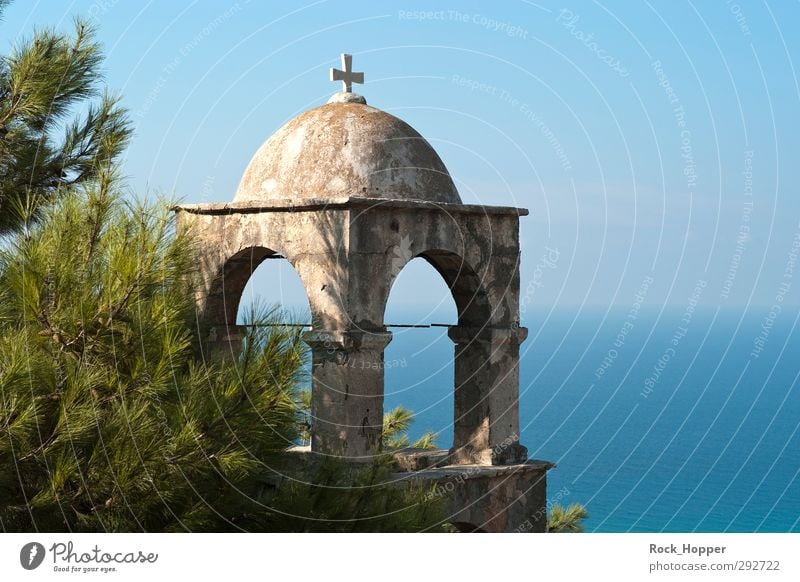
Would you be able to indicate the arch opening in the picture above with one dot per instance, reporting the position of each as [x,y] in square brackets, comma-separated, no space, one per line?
[259,287]
[255,276]
[418,363]
[274,283]
[464,285]
[439,382]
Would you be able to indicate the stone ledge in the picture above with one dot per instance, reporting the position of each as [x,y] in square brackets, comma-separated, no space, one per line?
[347,340]
[408,460]
[432,463]
[342,203]
[466,472]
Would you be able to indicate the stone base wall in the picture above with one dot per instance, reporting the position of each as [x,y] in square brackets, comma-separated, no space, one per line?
[479,498]
[510,499]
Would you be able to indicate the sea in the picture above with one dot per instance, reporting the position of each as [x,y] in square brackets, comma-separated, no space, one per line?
[656,421]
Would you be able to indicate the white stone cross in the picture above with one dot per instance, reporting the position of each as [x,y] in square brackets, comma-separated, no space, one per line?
[347,77]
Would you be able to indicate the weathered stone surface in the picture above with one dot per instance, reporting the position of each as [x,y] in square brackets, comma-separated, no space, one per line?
[347,149]
[477,498]
[347,403]
[482,500]
[349,195]
[348,255]
[410,459]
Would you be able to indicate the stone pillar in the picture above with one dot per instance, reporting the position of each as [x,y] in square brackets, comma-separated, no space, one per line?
[347,392]
[486,416]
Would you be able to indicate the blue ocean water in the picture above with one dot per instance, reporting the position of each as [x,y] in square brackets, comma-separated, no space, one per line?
[671,425]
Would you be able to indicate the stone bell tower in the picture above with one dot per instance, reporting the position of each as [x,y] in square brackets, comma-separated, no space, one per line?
[336,191]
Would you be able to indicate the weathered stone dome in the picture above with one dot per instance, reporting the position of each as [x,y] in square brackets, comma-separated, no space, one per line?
[346,149]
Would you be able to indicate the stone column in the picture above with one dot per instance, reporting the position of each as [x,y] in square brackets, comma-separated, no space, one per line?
[347,392]
[486,421]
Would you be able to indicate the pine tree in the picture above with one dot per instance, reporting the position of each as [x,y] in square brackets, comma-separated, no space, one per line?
[396,424]
[334,496]
[44,144]
[108,420]
[566,519]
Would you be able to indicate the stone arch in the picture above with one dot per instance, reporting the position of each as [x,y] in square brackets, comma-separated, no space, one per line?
[485,414]
[224,289]
[465,285]
[227,286]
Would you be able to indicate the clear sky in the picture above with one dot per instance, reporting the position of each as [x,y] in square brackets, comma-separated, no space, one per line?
[651,141]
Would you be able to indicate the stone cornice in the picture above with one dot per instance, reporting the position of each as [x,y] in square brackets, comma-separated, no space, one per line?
[343,203]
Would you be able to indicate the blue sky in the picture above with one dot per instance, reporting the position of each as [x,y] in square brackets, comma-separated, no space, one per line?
[649,140]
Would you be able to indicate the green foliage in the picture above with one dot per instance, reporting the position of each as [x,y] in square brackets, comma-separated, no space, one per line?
[108,419]
[396,423]
[42,82]
[566,519]
[341,497]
